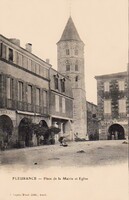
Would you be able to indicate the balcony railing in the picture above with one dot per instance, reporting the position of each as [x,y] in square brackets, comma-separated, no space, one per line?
[22,106]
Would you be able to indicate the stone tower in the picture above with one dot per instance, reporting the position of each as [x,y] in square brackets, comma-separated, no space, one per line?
[70,62]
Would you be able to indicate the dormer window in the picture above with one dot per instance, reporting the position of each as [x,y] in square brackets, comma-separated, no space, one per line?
[56,77]
[10,55]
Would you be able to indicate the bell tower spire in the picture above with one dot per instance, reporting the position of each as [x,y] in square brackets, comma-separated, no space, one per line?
[70,55]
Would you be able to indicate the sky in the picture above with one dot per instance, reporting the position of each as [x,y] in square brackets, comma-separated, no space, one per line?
[101,24]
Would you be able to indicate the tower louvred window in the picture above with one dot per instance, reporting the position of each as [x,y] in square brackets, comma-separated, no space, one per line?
[67,65]
[67,52]
[76,78]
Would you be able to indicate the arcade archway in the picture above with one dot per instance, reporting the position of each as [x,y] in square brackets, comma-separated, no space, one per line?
[43,123]
[6,127]
[25,131]
[116,131]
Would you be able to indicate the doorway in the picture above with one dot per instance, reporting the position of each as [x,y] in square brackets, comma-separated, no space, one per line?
[116,132]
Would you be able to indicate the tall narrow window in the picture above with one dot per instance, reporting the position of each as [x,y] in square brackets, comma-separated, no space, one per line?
[41,71]
[62,81]
[37,68]
[33,66]
[76,78]
[63,105]
[29,97]
[57,108]
[10,56]
[76,66]
[56,77]
[121,85]
[25,62]
[20,91]
[29,64]
[45,73]
[106,86]
[0,49]
[19,59]
[37,96]
[67,67]
[107,106]
[4,49]
[45,98]
[8,85]
[122,105]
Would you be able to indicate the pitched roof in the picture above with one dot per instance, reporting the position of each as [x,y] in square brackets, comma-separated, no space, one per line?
[70,32]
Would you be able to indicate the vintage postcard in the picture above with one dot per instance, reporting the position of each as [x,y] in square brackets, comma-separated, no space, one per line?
[64,99]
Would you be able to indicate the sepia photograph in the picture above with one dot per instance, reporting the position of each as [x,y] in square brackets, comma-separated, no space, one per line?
[64,99]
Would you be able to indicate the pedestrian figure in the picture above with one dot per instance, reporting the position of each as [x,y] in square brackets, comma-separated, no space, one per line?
[62,139]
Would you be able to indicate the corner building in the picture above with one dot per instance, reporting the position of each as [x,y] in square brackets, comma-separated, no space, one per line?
[24,89]
[70,55]
[112,93]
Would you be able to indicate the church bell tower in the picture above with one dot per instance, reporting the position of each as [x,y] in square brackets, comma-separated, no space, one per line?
[70,62]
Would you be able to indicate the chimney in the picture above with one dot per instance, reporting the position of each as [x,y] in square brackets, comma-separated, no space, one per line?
[29,47]
[48,60]
[15,41]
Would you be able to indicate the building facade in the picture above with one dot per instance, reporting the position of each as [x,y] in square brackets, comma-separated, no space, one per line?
[61,103]
[70,55]
[31,90]
[92,121]
[24,89]
[112,105]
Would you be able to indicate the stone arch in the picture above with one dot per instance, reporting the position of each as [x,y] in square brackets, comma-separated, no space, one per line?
[25,131]
[6,127]
[116,131]
[43,123]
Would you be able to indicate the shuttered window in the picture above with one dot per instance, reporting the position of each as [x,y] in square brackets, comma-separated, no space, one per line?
[122,105]
[107,107]
[20,91]
[57,103]
[106,86]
